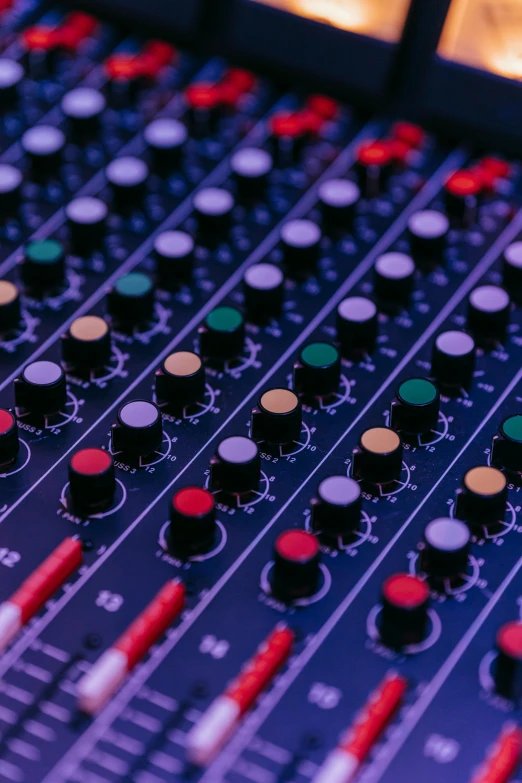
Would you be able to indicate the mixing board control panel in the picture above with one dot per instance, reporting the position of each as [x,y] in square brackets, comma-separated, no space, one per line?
[260,427]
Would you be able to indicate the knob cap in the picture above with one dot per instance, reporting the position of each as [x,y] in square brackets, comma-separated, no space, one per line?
[404,617]
[192,527]
[9,443]
[92,482]
[10,311]
[374,166]
[277,417]
[43,267]
[213,208]
[11,180]
[378,457]
[512,270]
[338,199]
[506,449]
[127,177]
[83,108]
[453,359]
[264,290]
[428,233]
[41,388]
[222,333]
[462,191]
[87,344]
[11,77]
[138,429]
[236,466]
[393,280]
[301,241]
[507,672]
[318,370]
[336,509]
[447,544]
[131,301]
[482,497]
[296,569]
[165,139]
[86,220]
[489,309]
[251,168]
[180,381]
[44,145]
[415,408]
[174,255]
[357,325]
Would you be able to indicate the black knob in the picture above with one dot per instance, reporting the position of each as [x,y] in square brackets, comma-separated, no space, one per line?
[264,290]
[86,220]
[507,668]
[393,279]
[336,509]
[92,481]
[213,208]
[87,344]
[287,137]
[296,570]
[404,617]
[338,199]
[131,301]
[251,169]
[138,429]
[165,139]
[378,456]
[10,312]
[374,166]
[192,527]
[462,192]
[43,267]
[222,333]
[44,145]
[11,180]
[489,309]
[9,443]
[11,77]
[127,177]
[301,240]
[174,256]
[357,325]
[180,381]
[277,417]
[83,108]
[446,547]
[415,408]
[482,498]
[41,388]
[506,448]
[235,466]
[428,233]
[317,372]
[453,359]
[512,270]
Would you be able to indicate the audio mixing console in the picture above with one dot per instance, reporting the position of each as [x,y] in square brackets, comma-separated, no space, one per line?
[260,426]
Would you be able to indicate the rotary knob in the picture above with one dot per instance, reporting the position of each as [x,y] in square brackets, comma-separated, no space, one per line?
[213,208]
[138,430]
[462,192]
[277,418]
[222,333]
[301,240]
[317,372]
[10,310]
[44,145]
[43,267]
[489,309]
[9,442]
[374,166]
[295,574]
[378,456]
[180,381]
[453,359]
[415,408]
[87,344]
[512,270]
[235,466]
[338,199]
[264,290]
[127,177]
[92,481]
[428,234]
[11,180]
[404,617]
[394,279]
[251,168]
[446,546]
[506,448]
[357,325]
[131,301]
[11,77]
[174,255]
[482,498]
[166,139]
[192,526]
[86,220]
[507,668]
[41,388]
[336,508]
[83,108]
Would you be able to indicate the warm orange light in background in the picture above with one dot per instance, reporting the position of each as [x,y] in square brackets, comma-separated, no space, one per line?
[382,19]
[485,34]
